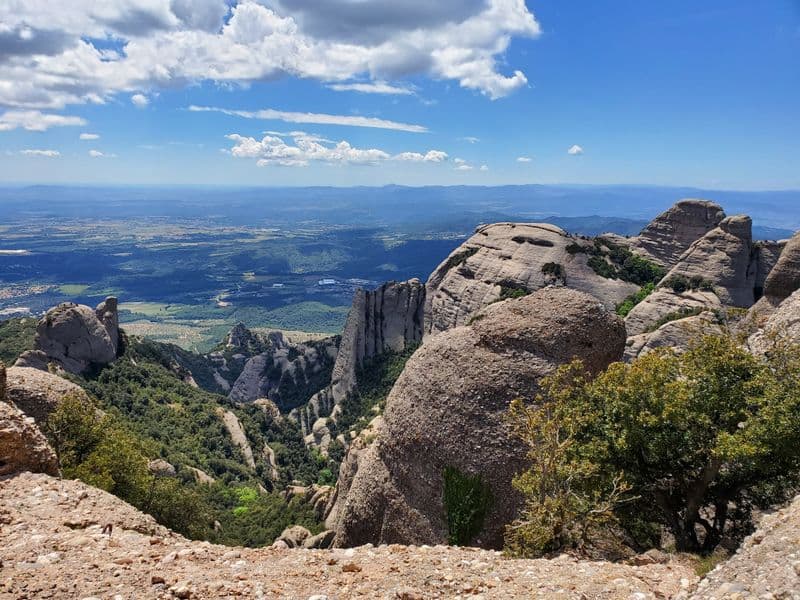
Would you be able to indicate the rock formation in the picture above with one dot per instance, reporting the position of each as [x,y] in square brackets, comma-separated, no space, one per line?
[678,334]
[671,233]
[767,565]
[387,319]
[664,303]
[782,323]
[723,260]
[238,436]
[38,393]
[288,374]
[448,409]
[511,256]
[75,338]
[784,278]
[23,447]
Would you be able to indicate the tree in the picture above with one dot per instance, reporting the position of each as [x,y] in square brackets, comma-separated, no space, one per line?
[691,442]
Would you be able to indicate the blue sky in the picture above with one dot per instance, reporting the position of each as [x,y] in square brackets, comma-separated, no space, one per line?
[482,92]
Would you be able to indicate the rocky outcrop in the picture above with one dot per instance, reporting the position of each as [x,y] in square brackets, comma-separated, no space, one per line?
[784,278]
[235,430]
[511,256]
[767,565]
[387,319]
[664,304]
[52,545]
[288,374]
[448,409]
[671,233]
[23,447]
[722,259]
[38,393]
[782,323]
[75,338]
[678,334]
[767,255]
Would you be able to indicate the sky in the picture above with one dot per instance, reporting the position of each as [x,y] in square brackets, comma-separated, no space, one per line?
[372,92]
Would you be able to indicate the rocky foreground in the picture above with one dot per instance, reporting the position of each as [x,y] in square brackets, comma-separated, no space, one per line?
[52,545]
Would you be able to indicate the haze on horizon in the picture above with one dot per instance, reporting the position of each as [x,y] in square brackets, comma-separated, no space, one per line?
[357,92]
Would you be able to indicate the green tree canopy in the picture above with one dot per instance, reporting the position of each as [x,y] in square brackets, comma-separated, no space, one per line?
[689,442]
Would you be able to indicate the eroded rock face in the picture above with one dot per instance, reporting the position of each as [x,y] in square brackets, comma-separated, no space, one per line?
[23,447]
[387,319]
[664,303]
[75,337]
[512,255]
[448,409]
[678,334]
[766,565]
[723,258]
[784,278]
[38,393]
[783,322]
[671,233]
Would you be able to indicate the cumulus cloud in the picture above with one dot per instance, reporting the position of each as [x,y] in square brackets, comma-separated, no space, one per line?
[50,56]
[98,154]
[140,100]
[34,120]
[89,136]
[44,153]
[464,167]
[575,150]
[299,149]
[524,159]
[484,167]
[376,87]
[315,118]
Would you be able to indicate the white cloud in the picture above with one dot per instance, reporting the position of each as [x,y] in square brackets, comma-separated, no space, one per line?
[49,57]
[524,159]
[44,153]
[303,149]
[459,161]
[315,118]
[376,87]
[140,100]
[33,120]
[470,139]
[89,136]
[464,167]
[484,168]
[98,154]
[575,150]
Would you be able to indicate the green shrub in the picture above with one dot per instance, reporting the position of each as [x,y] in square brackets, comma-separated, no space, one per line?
[689,442]
[680,284]
[626,306]
[467,500]
[16,336]
[554,270]
[459,258]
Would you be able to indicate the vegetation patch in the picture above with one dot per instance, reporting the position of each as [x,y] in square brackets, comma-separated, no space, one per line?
[614,261]
[691,443]
[459,258]
[511,289]
[467,500]
[555,270]
[676,316]
[680,284]
[626,306]
[375,380]
[16,336]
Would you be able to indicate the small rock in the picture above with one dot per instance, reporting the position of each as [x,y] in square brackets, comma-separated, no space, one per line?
[351,567]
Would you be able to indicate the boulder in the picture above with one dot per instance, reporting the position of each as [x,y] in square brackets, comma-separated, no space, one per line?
[784,278]
[524,256]
[161,468]
[75,337]
[320,541]
[448,409]
[671,233]
[722,259]
[678,334]
[23,447]
[293,536]
[38,393]
[663,303]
